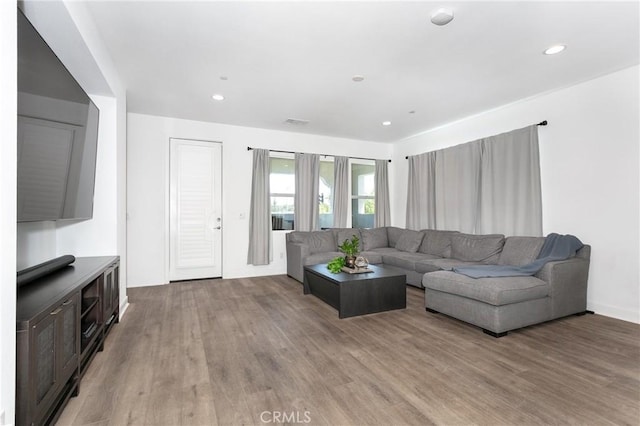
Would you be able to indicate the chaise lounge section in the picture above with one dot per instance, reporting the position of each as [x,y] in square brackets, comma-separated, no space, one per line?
[497,305]
[500,304]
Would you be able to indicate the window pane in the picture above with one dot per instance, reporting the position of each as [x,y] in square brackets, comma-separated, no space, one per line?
[282,204]
[282,186]
[282,165]
[326,220]
[362,195]
[362,212]
[282,222]
[326,194]
[282,212]
[282,177]
[362,179]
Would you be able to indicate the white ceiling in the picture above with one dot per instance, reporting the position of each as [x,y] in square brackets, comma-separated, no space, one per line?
[296,59]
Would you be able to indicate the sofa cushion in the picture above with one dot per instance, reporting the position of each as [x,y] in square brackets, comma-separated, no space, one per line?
[372,257]
[477,248]
[374,238]
[402,259]
[346,234]
[409,241]
[440,264]
[494,291]
[298,237]
[436,242]
[383,250]
[321,241]
[518,251]
[323,257]
[393,235]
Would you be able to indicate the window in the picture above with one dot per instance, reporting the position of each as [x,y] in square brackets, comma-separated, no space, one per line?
[325,198]
[362,195]
[282,185]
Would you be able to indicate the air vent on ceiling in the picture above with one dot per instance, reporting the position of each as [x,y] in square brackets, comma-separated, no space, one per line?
[296,122]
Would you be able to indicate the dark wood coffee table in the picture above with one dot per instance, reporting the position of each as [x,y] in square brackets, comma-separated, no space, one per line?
[384,289]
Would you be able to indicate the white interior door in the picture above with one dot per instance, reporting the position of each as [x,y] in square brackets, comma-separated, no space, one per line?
[195,210]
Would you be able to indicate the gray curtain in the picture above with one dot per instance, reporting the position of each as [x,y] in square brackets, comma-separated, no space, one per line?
[457,177]
[340,191]
[421,192]
[260,248]
[491,185]
[382,215]
[307,192]
[510,195]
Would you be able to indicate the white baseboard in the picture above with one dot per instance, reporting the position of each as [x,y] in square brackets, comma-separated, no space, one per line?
[123,306]
[615,312]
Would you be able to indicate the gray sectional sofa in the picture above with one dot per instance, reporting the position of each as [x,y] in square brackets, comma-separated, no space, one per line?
[497,305]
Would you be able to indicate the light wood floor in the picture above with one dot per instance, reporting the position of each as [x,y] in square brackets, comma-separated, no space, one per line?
[226,351]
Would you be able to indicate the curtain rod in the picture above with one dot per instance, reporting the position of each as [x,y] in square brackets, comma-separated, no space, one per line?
[542,123]
[324,155]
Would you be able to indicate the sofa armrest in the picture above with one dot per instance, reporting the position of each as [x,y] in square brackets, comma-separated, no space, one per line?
[567,280]
[584,252]
[296,252]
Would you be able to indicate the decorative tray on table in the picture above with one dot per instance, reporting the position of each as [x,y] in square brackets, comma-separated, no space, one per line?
[356,270]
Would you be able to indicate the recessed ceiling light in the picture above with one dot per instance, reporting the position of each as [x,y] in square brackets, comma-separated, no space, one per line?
[442,16]
[555,49]
[386,123]
[357,78]
[217,97]
[224,77]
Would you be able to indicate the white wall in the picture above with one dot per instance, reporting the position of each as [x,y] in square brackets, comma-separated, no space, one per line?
[147,190]
[8,160]
[68,29]
[36,243]
[589,158]
[42,241]
[115,160]
[98,236]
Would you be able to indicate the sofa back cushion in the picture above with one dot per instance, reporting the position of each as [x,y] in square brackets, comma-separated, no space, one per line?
[520,251]
[346,234]
[437,243]
[409,241]
[321,241]
[477,248]
[374,238]
[393,235]
[298,237]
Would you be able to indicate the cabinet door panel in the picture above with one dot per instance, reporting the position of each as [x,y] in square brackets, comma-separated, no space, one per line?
[44,343]
[108,294]
[116,289]
[69,344]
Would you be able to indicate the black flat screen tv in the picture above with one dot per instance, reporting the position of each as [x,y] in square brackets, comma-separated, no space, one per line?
[57,135]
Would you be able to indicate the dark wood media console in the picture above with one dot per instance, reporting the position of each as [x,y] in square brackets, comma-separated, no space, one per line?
[62,321]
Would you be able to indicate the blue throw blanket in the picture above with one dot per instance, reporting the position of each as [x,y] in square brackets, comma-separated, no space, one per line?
[555,247]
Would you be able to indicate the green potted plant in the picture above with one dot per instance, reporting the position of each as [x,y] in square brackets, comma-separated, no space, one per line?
[350,248]
[336,264]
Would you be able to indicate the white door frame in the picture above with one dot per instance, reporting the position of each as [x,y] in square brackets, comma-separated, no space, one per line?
[167,204]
